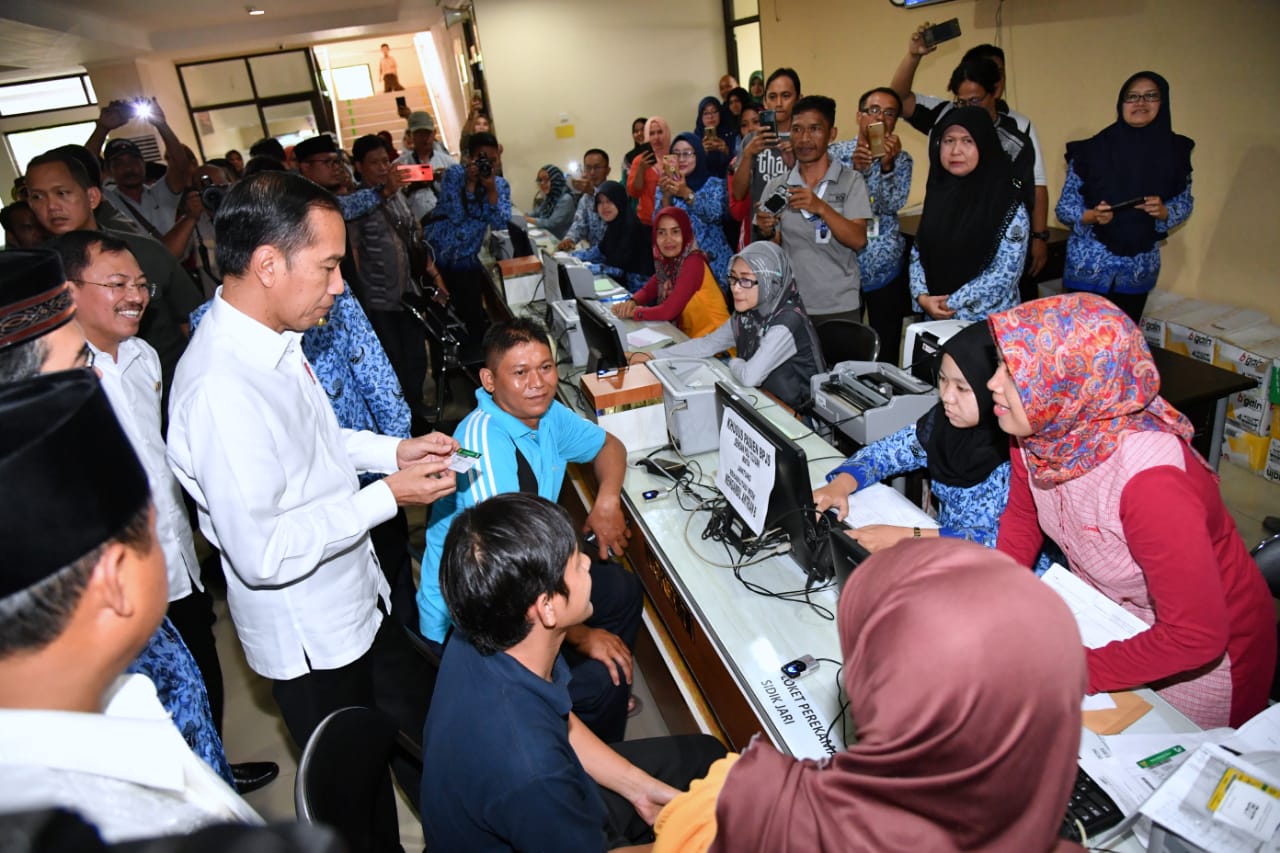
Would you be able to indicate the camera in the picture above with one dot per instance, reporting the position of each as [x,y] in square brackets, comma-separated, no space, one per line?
[484,166]
[777,202]
[211,195]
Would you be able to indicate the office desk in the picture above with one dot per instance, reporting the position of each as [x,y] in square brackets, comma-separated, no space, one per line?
[1200,392]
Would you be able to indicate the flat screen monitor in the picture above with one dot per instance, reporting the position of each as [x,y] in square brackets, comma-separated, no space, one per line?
[604,344]
[521,247]
[566,283]
[790,503]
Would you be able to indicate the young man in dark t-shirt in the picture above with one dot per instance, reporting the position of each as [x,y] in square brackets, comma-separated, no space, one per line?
[768,154]
[508,764]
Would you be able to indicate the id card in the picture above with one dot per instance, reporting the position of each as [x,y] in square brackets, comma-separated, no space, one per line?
[873,228]
[822,234]
[463,460]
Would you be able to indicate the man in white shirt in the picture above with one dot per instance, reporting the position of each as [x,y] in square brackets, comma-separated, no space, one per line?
[254,441]
[82,588]
[111,293]
[423,151]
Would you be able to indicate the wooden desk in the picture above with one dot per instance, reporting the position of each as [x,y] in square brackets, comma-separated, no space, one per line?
[1200,392]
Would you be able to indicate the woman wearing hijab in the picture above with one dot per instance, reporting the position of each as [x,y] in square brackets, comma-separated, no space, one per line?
[705,198]
[972,243]
[777,347]
[642,180]
[682,290]
[717,135]
[958,441]
[624,253]
[755,86]
[1104,467]
[1138,161]
[964,679]
[554,212]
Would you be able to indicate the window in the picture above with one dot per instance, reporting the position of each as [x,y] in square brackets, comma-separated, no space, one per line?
[742,38]
[349,82]
[27,144]
[55,93]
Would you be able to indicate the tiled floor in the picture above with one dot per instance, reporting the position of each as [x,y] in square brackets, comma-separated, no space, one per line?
[253,731]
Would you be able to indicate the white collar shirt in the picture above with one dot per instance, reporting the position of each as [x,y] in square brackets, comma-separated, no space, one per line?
[132,383]
[127,770]
[254,440]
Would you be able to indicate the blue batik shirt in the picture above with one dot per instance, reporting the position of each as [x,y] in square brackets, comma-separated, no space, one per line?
[458,227]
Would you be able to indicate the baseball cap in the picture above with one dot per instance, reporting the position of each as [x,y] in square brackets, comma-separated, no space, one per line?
[421,120]
[116,147]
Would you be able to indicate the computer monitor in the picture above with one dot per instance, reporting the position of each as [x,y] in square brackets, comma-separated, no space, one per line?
[566,283]
[521,246]
[604,344]
[790,506]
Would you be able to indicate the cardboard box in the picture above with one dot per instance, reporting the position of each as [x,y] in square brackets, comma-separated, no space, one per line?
[1155,316]
[1256,359]
[1244,448]
[628,403]
[1195,331]
[1272,469]
[1189,340]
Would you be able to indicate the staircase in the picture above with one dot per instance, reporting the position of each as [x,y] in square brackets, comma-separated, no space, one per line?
[361,116]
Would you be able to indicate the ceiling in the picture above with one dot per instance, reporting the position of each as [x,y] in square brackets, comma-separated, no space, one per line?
[41,38]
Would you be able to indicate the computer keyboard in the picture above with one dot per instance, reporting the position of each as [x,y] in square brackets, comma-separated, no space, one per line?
[1091,806]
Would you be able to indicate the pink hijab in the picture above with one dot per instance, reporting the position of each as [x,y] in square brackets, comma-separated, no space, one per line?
[964,674]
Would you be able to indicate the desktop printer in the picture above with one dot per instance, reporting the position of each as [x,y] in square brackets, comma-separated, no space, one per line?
[566,330]
[922,343]
[689,397]
[867,400]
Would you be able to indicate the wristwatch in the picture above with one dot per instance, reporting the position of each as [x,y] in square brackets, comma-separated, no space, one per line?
[1040,235]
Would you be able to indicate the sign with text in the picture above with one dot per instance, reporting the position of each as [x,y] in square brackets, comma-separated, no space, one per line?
[746,472]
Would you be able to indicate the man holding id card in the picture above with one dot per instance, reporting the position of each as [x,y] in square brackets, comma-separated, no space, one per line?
[824,223]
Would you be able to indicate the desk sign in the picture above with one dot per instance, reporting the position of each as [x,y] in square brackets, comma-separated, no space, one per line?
[746,472]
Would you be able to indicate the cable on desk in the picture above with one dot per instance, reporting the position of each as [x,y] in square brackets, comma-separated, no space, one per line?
[844,706]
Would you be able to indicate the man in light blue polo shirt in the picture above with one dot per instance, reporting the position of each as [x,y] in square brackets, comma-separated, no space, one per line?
[526,439]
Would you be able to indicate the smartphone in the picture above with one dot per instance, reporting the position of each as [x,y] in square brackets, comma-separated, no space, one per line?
[769,121]
[875,135]
[412,173]
[645,148]
[671,166]
[938,33]
[776,203]
[708,134]
[402,102]
[1133,202]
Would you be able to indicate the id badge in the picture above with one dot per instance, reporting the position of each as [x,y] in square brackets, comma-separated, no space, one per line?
[822,234]
[873,228]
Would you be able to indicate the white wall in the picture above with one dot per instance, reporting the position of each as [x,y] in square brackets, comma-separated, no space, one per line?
[601,63]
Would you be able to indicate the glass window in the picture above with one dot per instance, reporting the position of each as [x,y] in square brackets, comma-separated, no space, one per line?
[230,127]
[27,144]
[281,73]
[745,9]
[216,83]
[746,39]
[292,122]
[41,95]
[349,82]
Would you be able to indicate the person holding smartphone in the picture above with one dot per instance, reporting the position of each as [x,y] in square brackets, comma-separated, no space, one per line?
[1126,189]
[718,136]
[642,180]
[767,154]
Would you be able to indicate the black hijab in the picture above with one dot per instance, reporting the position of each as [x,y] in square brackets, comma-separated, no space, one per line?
[966,457]
[1124,162]
[964,219]
[625,244]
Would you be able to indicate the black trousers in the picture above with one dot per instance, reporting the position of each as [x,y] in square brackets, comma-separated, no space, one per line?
[391,676]
[676,760]
[885,310]
[405,342]
[193,616]
[1130,303]
[617,600]
[391,544]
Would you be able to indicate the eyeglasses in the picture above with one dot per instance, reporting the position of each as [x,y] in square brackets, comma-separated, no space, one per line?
[975,101]
[598,167]
[118,287]
[685,155]
[876,111]
[1149,97]
[740,282]
[324,161]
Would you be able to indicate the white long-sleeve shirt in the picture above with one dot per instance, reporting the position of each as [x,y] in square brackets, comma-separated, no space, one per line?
[254,440]
[132,383]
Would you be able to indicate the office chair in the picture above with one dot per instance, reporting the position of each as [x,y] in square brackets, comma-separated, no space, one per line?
[344,777]
[1267,556]
[846,340]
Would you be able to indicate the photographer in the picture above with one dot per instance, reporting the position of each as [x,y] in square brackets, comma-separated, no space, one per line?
[423,151]
[473,199]
[196,216]
[153,207]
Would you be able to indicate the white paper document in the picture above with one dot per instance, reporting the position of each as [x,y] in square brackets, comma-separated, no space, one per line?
[1100,619]
[881,504]
[645,337]
[746,472]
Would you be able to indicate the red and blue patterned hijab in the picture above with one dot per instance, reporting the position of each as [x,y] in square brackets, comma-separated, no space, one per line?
[1085,377]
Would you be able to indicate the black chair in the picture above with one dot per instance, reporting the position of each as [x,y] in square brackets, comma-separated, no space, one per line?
[344,777]
[846,340]
[1267,556]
